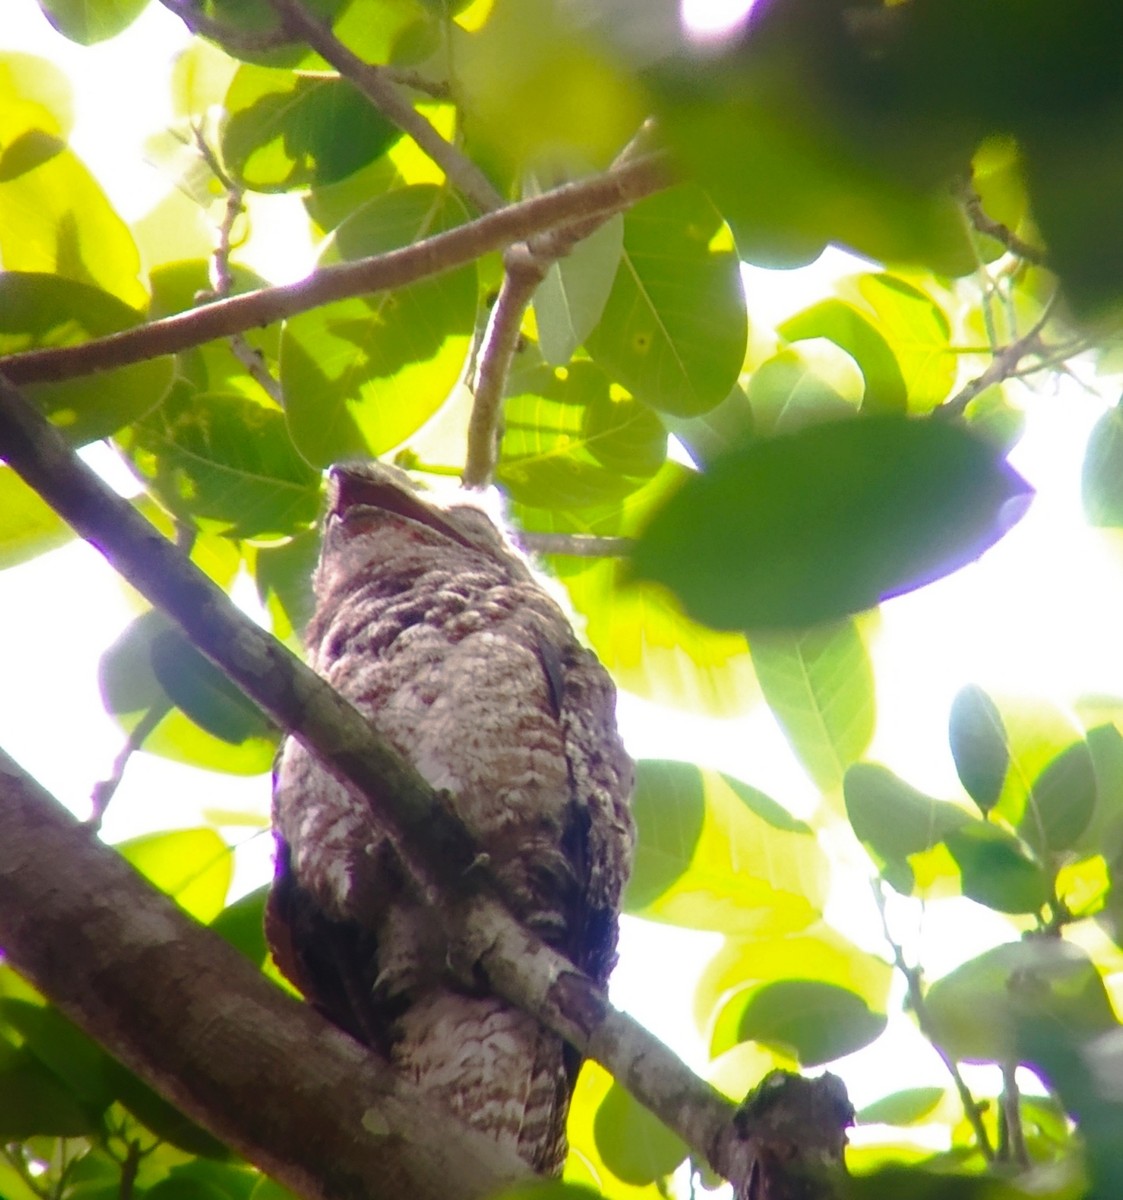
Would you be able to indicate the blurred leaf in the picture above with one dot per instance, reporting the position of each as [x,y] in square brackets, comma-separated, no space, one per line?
[674,328]
[829,520]
[56,220]
[571,441]
[36,112]
[570,300]
[360,375]
[287,131]
[976,1009]
[996,870]
[258,18]
[978,745]
[634,1144]
[225,458]
[906,1107]
[282,573]
[1036,733]
[1102,479]
[788,392]
[41,311]
[816,1021]
[892,817]
[848,328]
[34,1103]
[715,854]
[89,21]
[28,525]
[1061,801]
[193,866]
[77,1062]
[819,685]
[130,688]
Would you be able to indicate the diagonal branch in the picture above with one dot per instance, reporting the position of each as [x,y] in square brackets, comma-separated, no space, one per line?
[462,173]
[435,846]
[196,1021]
[604,194]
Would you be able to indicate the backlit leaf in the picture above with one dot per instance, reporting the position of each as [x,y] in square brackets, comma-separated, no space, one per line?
[1102,479]
[1061,801]
[996,870]
[829,520]
[28,525]
[633,1143]
[892,817]
[193,866]
[978,745]
[89,21]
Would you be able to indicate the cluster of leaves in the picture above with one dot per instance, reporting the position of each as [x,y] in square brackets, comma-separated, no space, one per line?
[833,463]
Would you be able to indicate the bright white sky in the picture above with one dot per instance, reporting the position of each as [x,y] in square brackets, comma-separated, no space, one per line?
[1038,615]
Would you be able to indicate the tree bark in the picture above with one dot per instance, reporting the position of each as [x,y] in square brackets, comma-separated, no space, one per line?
[197,1022]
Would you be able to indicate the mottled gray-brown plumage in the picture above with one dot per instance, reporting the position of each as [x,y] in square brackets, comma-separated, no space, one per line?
[432,625]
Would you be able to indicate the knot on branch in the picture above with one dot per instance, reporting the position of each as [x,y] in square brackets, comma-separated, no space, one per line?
[787,1138]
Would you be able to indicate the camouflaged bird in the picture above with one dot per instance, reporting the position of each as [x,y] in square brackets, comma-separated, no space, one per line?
[432,624]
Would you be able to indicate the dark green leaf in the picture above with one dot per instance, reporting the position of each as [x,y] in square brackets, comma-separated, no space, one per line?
[287,131]
[674,329]
[1102,480]
[33,1102]
[978,746]
[1061,801]
[46,311]
[829,520]
[634,1144]
[85,1070]
[976,1009]
[815,1021]
[893,818]
[360,376]
[996,871]
[242,924]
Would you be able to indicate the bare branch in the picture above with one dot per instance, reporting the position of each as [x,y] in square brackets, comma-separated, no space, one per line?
[373,82]
[607,193]
[973,206]
[104,790]
[184,1011]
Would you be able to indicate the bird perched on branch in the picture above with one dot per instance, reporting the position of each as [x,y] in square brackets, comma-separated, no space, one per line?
[432,624]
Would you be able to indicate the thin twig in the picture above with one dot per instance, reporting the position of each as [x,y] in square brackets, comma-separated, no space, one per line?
[1014,1133]
[372,81]
[607,193]
[914,982]
[1004,366]
[576,545]
[104,791]
[972,203]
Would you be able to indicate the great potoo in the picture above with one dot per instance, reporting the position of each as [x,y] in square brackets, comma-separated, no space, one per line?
[432,624]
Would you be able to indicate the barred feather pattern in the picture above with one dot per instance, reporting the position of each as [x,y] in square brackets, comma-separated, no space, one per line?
[436,629]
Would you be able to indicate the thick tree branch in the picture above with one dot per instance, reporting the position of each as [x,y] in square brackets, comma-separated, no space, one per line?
[605,194]
[433,843]
[462,173]
[196,1021]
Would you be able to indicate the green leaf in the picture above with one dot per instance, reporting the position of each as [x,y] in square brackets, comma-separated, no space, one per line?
[1061,801]
[36,112]
[76,1061]
[28,525]
[815,1021]
[570,440]
[995,869]
[674,329]
[819,685]
[848,328]
[906,1107]
[570,300]
[193,866]
[892,817]
[130,689]
[222,457]
[47,311]
[978,745]
[56,220]
[975,1010]
[90,21]
[242,924]
[633,1143]
[1102,478]
[34,1103]
[787,392]
[714,853]
[829,520]
[287,131]
[360,376]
